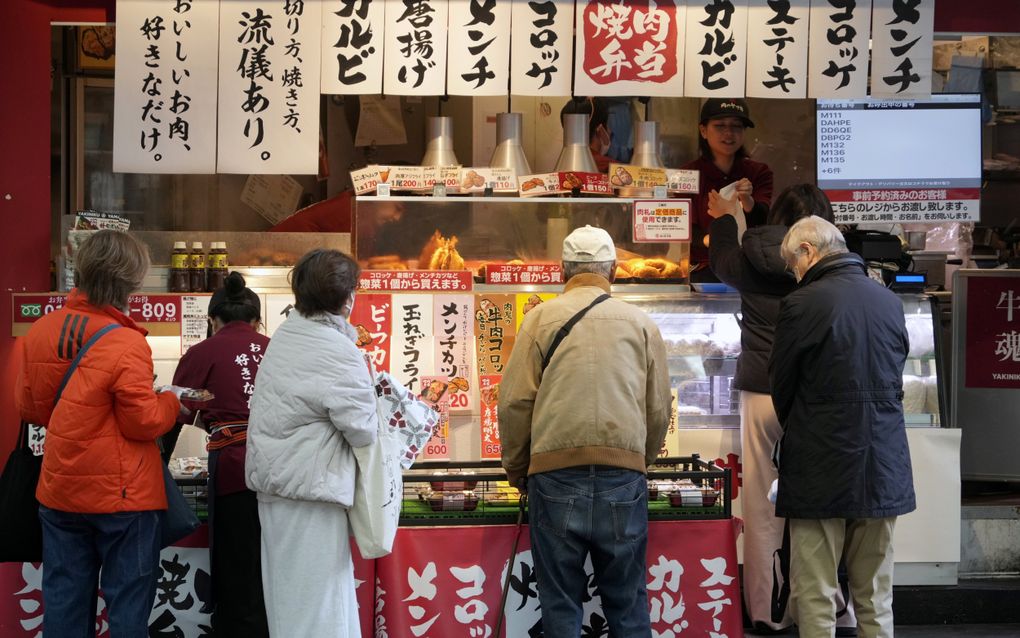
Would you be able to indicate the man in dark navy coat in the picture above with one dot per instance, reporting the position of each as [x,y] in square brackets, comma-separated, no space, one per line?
[836,374]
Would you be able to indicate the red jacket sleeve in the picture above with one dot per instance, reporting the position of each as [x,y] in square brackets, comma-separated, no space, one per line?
[141,413]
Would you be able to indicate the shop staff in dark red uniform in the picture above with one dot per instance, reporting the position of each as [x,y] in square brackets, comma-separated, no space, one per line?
[724,161]
[226,364]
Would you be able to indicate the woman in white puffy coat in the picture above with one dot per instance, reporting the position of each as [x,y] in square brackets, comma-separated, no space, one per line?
[314,400]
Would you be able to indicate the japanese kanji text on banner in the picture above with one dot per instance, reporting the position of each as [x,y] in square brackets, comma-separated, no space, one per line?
[993,332]
[901,53]
[352,47]
[777,49]
[838,55]
[479,47]
[716,59]
[269,87]
[164,116]
[629,48]
[415,47]
[542,52]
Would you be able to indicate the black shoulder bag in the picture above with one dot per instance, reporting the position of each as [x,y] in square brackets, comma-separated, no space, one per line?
[565,329]
[21,533]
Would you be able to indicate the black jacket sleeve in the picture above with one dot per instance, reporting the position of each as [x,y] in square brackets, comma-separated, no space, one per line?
[724,254]
[784,361]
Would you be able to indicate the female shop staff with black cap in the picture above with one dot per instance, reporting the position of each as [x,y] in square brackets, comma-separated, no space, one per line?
[724,161]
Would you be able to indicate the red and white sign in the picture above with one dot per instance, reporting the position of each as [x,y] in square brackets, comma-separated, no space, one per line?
[662,220]
[516,274]
[155,308]
[993,332]
[416,280]
[372,318]
[447,581]
[629,48]
[30,308]
[931,205]
[488,388]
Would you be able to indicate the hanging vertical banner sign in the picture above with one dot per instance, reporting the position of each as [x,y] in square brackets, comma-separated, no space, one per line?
[268,87]
[777,48]
[415,47]
[716,58]
[411,353]
[371,317]
[632,47]
[838,54]
[542,52]
[479,47]
[901,48]
[489,392]
[164,116]
[352,47]
[454,344]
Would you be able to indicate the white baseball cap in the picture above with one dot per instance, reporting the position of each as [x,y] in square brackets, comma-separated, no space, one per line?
[589,244]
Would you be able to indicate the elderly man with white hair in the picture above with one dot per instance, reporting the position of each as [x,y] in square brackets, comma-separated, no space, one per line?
[844,465]
[583,410]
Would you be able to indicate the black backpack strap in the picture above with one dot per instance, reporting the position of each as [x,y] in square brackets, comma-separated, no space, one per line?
[565,329]
[781,591]
[77,359]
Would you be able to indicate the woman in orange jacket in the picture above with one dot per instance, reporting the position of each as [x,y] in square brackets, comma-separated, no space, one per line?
[101,485]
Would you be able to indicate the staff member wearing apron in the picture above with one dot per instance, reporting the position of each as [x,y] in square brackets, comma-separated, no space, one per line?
[226,364]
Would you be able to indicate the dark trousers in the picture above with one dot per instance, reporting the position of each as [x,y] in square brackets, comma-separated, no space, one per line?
[237,567]
[595,511]
[75,546]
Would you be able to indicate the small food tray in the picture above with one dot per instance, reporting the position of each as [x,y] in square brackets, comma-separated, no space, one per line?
[693,498]
[452,486]
[453,502]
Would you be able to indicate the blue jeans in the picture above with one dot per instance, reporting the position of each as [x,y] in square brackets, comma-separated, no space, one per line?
[597,510]
[75,546]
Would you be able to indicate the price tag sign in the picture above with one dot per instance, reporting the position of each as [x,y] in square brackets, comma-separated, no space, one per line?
[476,180]
[436,393]
[30,308]
[543,184]
[489,391]
[683,181]
[514,274]
[410,178]
[365,180]
[415,280]
[624,176]
[665,220]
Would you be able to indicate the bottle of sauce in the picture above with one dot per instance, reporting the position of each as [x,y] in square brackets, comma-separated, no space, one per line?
[196,267]
[218,268]
[180,279]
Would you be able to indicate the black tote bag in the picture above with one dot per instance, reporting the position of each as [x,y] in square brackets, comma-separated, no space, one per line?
[21,531]
[178,519]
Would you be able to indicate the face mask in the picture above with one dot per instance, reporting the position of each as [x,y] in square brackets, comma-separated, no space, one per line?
[604,141]
[349,308]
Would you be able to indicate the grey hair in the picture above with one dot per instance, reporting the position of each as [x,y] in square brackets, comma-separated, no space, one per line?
[817,232]
[109,266]
[603,268]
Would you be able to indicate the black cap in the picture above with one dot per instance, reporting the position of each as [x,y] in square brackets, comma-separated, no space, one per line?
[726,107]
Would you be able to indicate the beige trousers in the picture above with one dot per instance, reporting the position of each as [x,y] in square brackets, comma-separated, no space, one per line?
[866,546]
[763,530]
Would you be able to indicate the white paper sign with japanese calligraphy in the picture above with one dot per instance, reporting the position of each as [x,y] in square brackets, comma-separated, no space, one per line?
[629,48]
[412,346]
[901,48]
[716,59]
[542,47]
[352,46]
[479,47]
[777,48]
[415,47]
[838,54]
[164,116]
[269,87]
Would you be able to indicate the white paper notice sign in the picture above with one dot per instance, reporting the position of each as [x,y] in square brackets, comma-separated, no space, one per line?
[838,55]
[716,58]
[277,308]
[164,116]
[901,48]
[777,48]
[194,320]
[275,197]
[380,121]
[542,47]
[662,220]
[479,47]
[269,87]
[415,47]
[629,48]
[352,47]
[454,343]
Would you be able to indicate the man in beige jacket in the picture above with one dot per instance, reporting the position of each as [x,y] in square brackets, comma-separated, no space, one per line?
[579,426]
